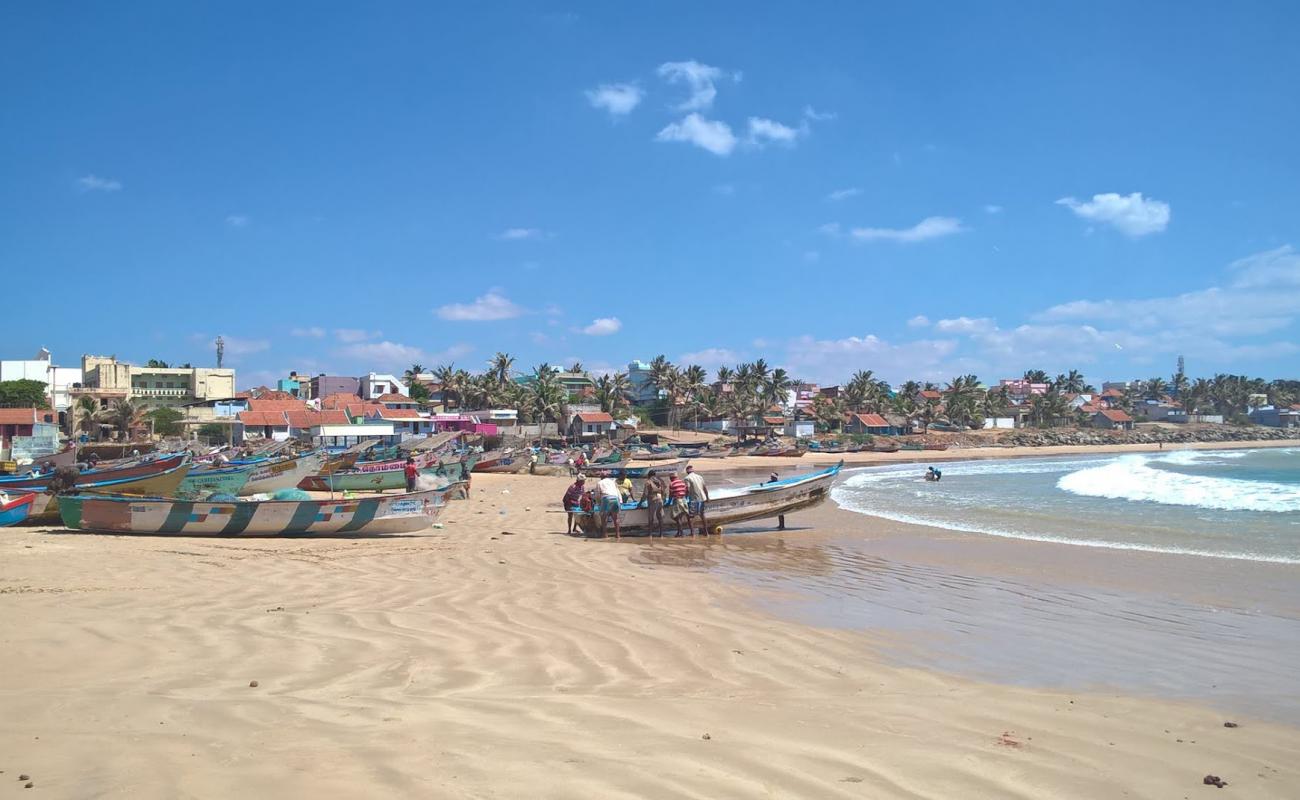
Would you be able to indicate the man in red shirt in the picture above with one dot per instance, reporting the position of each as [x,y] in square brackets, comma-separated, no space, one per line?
[412,472]
[677,493]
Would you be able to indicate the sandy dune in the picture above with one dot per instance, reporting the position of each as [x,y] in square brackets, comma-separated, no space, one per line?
[497,657]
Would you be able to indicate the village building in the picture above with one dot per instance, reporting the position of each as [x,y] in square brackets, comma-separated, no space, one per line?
[58,380]
[106,379]
[1111,419]
[374,385]
[590,425]
[1275,417]
[325,385]
[642,388]
[1019,390]
[871,425]
[27,434]
[407,422]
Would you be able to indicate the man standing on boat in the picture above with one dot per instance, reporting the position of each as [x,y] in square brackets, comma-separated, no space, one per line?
[697,494]
[412,472]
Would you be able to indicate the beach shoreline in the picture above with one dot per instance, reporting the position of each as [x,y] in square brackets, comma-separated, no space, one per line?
[498,657]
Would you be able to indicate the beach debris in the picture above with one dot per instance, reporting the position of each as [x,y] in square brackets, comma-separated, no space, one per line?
[28,785]
[1008,739]
[1231,725]
[24,777]
[851,779]
[252,684]
[706,737]
[1214,780]
[277,608]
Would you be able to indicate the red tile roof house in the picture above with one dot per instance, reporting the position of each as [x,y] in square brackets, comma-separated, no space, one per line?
[927,394]
[302,421]
[407,422]
[873,424]
[590,425]
[394,400]
[264,424]
[1111,419]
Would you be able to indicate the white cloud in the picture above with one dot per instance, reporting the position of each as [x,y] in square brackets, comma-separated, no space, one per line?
[928,228]
[617,98]
[711,357]
[350,335]
[395,356]
[1270,268]
[992,209]
[1132,215]
[603,326]
[711,135]
[919,321]
[515,234]
[829,229]
[237,220]
[767,131]
[965,325]
[699,79]
[811,113]
[539,338]
[843,194]
[491,306]
[833,360]
[94,183]
[309,333]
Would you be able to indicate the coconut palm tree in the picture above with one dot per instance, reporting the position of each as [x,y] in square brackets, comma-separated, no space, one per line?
[1155,388]
[612,392]
[776,387]
[500,368]
[546,398]
[1035,376]
[85,416]
[412,372]
[725,374]
[126,416]
[1179,384]
[828,413]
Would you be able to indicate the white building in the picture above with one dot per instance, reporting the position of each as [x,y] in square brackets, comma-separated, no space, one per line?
[42,368]
[375,385]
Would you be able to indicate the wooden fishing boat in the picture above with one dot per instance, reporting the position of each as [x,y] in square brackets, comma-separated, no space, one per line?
[709,454]
[142,469]
[884,447]
[935,446]
[45,511]
[728,506]
[403,513]
[639,471]
[219,480]
[379,476]
[283,474]
[15,508]
[508,463]
[790,452]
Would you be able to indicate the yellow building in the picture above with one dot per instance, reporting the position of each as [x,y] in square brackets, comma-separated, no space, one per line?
[107,379]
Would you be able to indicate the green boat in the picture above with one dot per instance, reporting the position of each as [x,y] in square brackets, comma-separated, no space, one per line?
[222,480]
[449,467]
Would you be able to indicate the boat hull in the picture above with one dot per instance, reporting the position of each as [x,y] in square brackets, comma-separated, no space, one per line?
[201,483]
[284,474]
[93,476]
[45,511]
[728,507]
[17,509]
[642,471]
[404,513]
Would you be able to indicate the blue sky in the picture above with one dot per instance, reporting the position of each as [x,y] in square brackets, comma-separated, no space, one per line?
[922,189]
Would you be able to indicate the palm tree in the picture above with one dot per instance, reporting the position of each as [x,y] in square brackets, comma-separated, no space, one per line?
[776,387]
[500,367]
[577,368]
[412,372]
[545,395]
[126,415]
[1179,384]
[1155,388]
[829,413]
[85,415]
[1035,376]
[725,374]
[612,392]
[452,386]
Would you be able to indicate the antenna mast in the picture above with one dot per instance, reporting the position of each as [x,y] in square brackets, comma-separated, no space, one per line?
[221,350]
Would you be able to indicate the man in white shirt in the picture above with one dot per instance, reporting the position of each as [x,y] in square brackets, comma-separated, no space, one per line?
[611,500]
[696,493]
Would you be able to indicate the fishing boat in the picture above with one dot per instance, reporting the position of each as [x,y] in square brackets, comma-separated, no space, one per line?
[791,452]
[507,462]
[378,476]
[283,474]
[15,508]
[935,446]
[728,506]
[217,480]
[140,469]
[709,453]
[640,471]
[45,511]
[403,513]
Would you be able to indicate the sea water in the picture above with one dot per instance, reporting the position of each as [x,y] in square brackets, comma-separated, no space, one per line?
[1232,504]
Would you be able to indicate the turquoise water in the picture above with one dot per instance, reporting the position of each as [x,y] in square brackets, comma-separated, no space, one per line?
[1231,504]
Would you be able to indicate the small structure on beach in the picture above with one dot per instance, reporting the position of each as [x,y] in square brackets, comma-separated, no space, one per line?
[1111,419]
[870,424]
[590,425]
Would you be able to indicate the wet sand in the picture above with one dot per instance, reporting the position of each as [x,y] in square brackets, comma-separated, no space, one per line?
[497,657]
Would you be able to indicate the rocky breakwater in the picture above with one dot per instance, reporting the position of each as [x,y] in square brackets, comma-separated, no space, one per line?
[1050,437]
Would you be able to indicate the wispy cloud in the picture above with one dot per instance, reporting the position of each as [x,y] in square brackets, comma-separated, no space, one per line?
[237,220]
[308,333]
[603,326]
[487,308]
[94,183]
[767,131]
[992,209]
[515,234]
[699,79]
[1132,214]
[919,321]
[395,356]
[711,357]
[965,325]
[350,335]
[711,135]
[928,228]
[811,113]
[617,98]
[843,194]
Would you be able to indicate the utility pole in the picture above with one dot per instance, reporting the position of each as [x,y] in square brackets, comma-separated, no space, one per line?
[221,350]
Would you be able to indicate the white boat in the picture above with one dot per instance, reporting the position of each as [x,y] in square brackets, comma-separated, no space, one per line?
[283,474]
[727,506]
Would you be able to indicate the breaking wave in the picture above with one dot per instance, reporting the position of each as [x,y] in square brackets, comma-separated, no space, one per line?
[1133,477]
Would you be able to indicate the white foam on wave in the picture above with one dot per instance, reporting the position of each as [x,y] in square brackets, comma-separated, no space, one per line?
[863,476]
[1132,478]
[845,498]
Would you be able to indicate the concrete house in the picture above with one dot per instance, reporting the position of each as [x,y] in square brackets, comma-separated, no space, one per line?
[407,422]
[1275,417]
[870,424]
[28,434]
[590,425]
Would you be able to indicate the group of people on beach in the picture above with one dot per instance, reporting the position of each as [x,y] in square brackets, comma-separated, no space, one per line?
[683,495]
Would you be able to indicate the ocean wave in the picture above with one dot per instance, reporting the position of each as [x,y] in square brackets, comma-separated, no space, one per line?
[845,498]
[1132,478]
[863,476]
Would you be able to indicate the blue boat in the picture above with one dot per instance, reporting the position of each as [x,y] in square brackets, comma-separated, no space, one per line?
[15,509]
